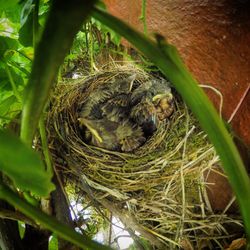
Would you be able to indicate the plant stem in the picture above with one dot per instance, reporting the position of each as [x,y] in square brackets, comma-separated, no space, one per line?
[35,23]
[91,48]
[143,16]
[45,148]
[12,82]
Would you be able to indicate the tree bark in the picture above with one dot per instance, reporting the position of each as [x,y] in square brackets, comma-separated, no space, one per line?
[9,232]
[35,238]
[61,211]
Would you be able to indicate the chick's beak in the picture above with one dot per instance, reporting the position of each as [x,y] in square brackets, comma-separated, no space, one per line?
[132,79]
[90,126]
[156,99]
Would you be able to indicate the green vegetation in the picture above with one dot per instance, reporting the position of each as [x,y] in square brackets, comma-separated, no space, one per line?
[32,51]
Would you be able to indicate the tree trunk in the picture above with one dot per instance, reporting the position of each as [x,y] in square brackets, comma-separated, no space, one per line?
[62,213]
[9,232]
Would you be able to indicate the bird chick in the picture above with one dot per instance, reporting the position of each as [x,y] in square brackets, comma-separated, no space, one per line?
[113,90]
[111,135]
[92,103]
[119,115]
[100,133]
[129,136]
[116,108]
[144,114]
[124,85]
[152,102]
[150,89]
[164,105]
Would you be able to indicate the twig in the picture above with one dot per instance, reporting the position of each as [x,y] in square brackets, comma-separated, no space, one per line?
[16,216]
[143,16]
[239,104]
[110,228]
[218,93]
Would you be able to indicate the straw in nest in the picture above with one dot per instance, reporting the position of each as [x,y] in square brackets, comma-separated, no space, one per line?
[159,189]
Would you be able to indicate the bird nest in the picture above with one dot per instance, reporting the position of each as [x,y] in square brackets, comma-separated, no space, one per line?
[158,189]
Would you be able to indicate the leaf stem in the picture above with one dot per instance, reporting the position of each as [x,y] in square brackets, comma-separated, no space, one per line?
[12,82]
[45,148]
[143,16]
[35,23]
[91,47]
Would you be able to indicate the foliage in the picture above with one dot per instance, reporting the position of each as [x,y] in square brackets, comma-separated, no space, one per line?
[25,168]
[90,41]
[21,228]
[53,243]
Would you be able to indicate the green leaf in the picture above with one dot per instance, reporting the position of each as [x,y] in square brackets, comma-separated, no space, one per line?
[8,28]
[21,228]
[6,104]
[26,30]
[9,107]
[23,165]
[5,4]
[53,242]
[26,11]
[4,79]
[7,43]
[11,9]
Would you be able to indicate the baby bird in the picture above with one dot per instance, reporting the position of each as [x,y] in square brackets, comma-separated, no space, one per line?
[119,115]
[115,91]
[164,105]
[117,108]
[124,85]
[130,136]
[112,135]
[100,133]
[144,114]
[152,102]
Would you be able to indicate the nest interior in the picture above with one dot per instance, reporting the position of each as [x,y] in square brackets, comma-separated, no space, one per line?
[159,189]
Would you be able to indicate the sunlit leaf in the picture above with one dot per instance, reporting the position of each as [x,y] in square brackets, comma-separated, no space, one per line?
[21,228]
[53,242]
[43,13]
[6,104]
[23,165]
[8,28]
[28,52]
[18,79]
[27,10]
[26,30]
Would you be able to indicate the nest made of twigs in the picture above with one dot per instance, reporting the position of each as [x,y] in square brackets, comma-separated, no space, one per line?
[159,189]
